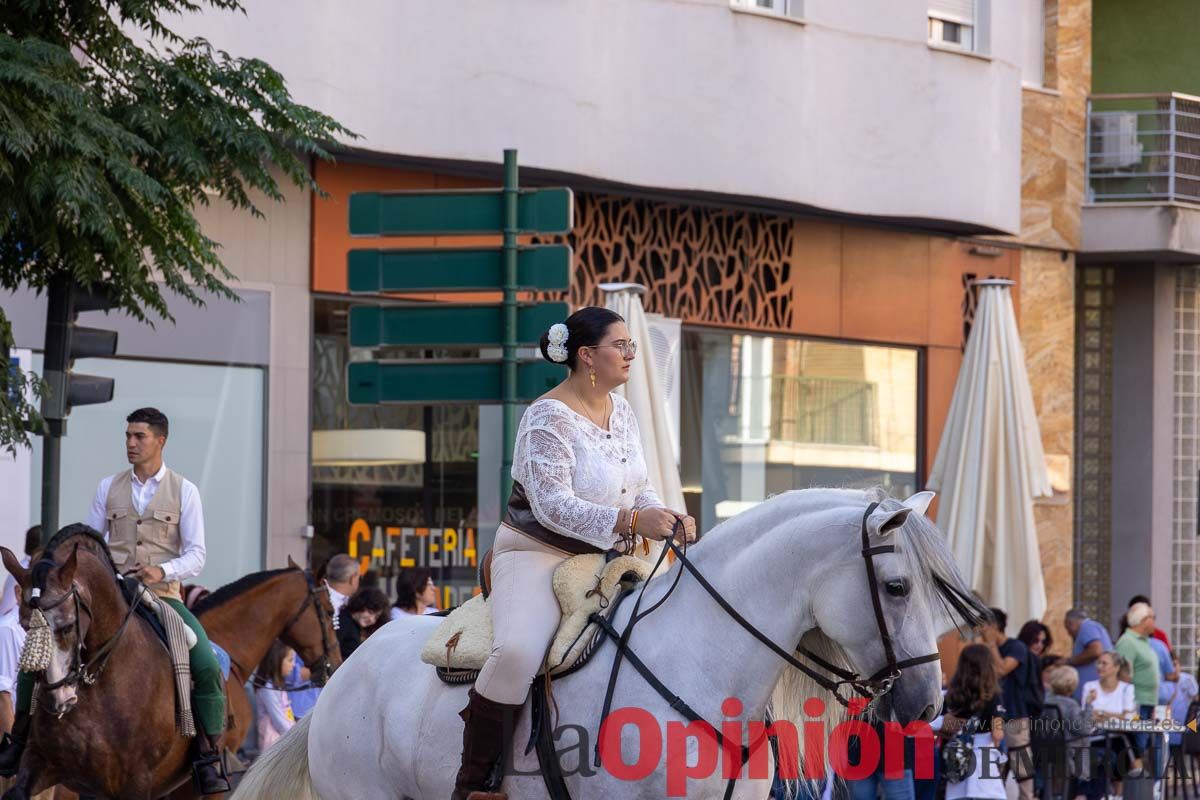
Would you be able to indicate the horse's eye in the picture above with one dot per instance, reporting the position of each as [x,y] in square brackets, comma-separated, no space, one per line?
[897,588]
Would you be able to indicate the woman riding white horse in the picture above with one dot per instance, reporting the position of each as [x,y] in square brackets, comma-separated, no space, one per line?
[579,486]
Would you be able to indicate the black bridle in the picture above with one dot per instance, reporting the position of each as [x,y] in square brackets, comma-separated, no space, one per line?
[320,672]
[88,671]
[868,689]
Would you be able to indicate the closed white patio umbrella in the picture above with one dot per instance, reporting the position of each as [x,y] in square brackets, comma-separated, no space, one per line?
[646,395]
[990,465]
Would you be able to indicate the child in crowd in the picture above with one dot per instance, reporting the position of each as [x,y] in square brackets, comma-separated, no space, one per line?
[275,717]
[974,720]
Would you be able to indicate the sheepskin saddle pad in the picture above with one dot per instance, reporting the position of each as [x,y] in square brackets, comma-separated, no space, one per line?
[583,584]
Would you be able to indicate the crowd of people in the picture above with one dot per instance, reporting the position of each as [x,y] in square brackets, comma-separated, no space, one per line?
[361,607]
[1001,688]
[1009,695]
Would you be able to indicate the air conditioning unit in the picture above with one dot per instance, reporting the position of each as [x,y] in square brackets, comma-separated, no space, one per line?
[1115,142]
[666,345]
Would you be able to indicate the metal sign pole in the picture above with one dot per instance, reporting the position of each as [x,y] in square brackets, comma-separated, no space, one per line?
[509,377]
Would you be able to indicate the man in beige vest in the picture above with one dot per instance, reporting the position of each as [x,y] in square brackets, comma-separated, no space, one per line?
[152,519]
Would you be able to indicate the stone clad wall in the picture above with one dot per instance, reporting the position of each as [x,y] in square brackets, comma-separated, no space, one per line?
[1052,194]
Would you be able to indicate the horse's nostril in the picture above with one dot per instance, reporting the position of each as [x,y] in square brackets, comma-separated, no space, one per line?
[928,714]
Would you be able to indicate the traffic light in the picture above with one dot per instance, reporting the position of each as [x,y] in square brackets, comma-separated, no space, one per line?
[65,342]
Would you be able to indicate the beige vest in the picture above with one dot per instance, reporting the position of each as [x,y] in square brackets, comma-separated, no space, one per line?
[152,537]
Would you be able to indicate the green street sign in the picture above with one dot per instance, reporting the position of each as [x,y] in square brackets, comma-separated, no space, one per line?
[438,324]
[458,212]
[428,382]
[544,267]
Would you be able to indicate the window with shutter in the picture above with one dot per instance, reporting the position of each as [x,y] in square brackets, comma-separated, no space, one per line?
[952,23]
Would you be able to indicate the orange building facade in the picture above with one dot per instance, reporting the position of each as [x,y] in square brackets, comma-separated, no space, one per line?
[840,344]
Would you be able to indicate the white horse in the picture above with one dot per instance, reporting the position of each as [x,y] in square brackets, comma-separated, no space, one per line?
[386,727]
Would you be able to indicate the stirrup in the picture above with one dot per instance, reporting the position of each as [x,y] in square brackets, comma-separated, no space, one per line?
[220,780]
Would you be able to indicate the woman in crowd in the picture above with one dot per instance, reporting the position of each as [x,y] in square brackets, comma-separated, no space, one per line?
[363,614]
[1037,639]
[275,717]
[1063,680]
[580,485]
[1108,698]
[416,593]
[973,712]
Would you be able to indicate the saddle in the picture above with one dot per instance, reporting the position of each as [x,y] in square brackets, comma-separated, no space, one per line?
[584,585]
[150,617]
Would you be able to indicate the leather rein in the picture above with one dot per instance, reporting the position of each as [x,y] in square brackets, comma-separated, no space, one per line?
[319,673]
[869,688]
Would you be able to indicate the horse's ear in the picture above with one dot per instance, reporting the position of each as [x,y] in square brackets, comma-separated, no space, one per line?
[920,501]
[292,564]
[66,573]
[14,567]
[883,522]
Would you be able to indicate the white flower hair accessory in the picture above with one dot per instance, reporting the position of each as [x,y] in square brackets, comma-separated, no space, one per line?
[557,338]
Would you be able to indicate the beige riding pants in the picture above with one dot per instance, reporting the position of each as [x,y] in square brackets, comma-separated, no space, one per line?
[525,615]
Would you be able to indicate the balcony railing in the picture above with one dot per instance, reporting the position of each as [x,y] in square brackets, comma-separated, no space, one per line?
[1143,148]
[824,411]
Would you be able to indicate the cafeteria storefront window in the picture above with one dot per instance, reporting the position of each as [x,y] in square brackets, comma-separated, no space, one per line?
[394,486]
[761,415]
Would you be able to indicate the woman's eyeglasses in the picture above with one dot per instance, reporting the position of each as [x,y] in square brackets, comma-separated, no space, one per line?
[627,348]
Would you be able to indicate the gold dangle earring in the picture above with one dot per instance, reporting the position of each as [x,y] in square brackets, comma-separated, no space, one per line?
[592,375]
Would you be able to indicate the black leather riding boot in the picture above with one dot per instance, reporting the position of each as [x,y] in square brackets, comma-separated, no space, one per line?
[484,737]
[13,745]
[207,774]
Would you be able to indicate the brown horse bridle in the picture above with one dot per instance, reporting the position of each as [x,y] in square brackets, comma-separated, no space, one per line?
[320,672]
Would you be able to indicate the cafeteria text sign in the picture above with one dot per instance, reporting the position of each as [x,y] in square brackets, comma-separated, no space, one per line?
[388,548]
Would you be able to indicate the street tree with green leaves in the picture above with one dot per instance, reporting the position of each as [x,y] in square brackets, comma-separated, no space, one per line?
[113,130]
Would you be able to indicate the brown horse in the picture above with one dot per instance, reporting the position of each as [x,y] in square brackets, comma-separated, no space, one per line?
[108,727]
[246,616]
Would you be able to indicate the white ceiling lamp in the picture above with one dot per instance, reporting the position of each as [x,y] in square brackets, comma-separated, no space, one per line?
[369,447]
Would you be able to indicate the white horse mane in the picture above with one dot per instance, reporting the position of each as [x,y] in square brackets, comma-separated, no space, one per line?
[920,545]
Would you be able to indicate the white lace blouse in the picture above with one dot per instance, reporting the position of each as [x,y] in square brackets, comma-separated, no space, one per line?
[577,475]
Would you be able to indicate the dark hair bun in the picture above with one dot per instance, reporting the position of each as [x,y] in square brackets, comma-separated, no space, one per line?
[585,328]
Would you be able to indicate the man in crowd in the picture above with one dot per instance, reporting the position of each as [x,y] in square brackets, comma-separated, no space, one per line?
[1091,640]
[1018,681]
[1158,633]
[1134,647]
[12,640]
[343,578]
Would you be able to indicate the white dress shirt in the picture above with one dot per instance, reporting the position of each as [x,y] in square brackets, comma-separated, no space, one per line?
[8,599]
[336,599]
[191,521]
[12,640]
